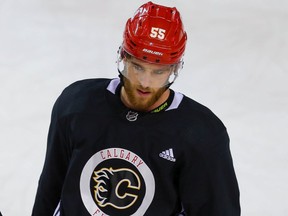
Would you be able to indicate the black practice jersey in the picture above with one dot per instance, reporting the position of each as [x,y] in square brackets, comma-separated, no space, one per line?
[106,159]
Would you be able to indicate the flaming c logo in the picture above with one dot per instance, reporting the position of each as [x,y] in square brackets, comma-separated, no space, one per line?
[117,188]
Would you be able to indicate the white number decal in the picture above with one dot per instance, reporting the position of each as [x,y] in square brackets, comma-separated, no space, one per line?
[157,32]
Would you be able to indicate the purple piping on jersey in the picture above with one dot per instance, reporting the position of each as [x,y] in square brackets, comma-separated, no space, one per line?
[113,85]
[176,101]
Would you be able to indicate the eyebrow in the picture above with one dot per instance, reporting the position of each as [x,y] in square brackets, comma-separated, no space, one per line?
[136,64]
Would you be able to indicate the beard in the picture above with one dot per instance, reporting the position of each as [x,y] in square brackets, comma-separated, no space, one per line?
[141,103]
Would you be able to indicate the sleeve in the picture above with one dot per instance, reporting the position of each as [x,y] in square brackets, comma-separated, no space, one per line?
[54,170]
[208,184]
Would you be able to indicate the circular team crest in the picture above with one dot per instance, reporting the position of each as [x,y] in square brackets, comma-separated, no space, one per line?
[116,181]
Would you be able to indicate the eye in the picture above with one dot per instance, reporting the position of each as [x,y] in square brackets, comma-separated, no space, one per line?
[138,68]
[159,72]
[162,71]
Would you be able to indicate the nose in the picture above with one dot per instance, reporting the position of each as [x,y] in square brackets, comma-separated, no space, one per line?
[145,79]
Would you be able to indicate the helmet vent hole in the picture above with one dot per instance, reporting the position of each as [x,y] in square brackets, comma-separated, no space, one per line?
[133,43]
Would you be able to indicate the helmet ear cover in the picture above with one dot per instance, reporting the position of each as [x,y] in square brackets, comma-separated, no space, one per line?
[155,34]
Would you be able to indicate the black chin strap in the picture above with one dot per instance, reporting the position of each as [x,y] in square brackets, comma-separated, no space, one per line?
[120,75]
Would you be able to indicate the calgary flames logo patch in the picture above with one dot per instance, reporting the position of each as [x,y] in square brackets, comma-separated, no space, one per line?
[116,181]
[118,188]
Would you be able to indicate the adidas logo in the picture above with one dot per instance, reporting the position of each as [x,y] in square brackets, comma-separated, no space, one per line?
[168,155]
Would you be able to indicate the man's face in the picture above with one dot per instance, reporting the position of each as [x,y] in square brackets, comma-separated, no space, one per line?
[144,83]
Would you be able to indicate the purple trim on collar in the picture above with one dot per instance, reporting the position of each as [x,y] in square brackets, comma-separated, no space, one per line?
[113,85]
[176,101]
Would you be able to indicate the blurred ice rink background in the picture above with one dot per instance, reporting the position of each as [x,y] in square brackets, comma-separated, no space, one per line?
[236,63]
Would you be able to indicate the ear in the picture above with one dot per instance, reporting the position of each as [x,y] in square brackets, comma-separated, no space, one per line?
[124,59]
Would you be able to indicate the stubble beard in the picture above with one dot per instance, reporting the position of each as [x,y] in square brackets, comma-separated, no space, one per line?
[138,103]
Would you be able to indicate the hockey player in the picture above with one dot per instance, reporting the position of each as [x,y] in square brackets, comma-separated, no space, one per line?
[133,146]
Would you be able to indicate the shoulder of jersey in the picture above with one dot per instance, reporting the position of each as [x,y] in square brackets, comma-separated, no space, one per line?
[79,95]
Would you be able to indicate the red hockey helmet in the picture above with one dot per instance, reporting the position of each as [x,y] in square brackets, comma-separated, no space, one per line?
[155,34]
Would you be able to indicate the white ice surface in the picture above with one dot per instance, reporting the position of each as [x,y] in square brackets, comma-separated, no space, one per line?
[236,63]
